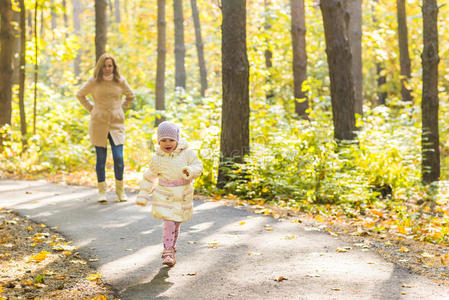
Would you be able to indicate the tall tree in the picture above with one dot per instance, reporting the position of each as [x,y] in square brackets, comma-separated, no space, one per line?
[23,123]
[298,32]
[77,8]
[64,14]
[6,62]
[36,66]
[404,58]
[180,50]
[101,27]
[117,11]
[355,37]
[269,94]
[380,70]
[234,143]
[53,15]
[429,104]
[199,47]
[340,71]
[161,53]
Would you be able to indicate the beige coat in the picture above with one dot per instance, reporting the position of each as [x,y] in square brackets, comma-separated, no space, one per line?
[173,203]
[107,111]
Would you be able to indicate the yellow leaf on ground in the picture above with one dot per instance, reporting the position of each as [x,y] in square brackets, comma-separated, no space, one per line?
[319,218]
[281,278]
[401,229]
[39,257]
[242,223]
[403,249]
[93,277]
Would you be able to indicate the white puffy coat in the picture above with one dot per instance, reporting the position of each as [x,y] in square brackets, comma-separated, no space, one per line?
[171,203]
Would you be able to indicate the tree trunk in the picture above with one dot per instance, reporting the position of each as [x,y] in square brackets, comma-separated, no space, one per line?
[16,48]
[269,94]
[340,61]
[36,66]
[429,104]
[234,143]
[101,27]
[381,81]
[380,70]
[22,61]
[199,47]
[6,62]
[404,57]
[298,32]
[160,71]
[355,38]
[180,50]
[53,16]
[77,8]
[66,20]
[117,11]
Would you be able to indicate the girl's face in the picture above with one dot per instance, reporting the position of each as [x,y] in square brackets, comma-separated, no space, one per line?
[108,67]
[168,145]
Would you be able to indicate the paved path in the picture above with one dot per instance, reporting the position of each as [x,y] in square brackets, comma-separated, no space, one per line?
[223,252]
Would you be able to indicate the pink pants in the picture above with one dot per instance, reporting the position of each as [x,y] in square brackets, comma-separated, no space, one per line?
[170,233]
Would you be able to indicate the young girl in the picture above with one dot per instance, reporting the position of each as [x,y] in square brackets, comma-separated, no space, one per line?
[176,166]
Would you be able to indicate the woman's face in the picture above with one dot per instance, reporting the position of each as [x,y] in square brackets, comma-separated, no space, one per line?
[168,145]
[108,67]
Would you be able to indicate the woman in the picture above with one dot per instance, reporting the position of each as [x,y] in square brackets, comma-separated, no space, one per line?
[107,119]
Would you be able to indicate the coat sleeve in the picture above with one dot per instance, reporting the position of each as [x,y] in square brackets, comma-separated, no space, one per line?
[129,94]
[83,92]
[194,166]
[148,183]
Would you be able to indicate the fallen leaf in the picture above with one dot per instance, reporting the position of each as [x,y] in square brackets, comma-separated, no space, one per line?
[192,274]
[212,245]
[403,250]
[93,277]
[428,255]
[289,237]
[93,259]
[281,278]
[242,223]
[336,289]
[192,242]
[39,257]
[254,253]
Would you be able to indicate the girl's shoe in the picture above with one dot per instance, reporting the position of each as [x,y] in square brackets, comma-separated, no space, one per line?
[102,192]
[168,257]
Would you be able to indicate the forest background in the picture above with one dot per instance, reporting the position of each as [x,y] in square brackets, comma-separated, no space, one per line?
[293,162]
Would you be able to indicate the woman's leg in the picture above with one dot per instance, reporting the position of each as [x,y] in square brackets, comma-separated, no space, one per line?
[101,173]
[101,163]
[117,155]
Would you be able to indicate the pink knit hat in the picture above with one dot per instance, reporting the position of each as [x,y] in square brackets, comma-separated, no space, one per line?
[168,130]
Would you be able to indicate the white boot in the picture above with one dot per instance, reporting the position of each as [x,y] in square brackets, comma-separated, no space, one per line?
[102,192]
[120,191]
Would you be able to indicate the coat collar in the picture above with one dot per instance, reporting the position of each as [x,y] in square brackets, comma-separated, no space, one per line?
[182,145]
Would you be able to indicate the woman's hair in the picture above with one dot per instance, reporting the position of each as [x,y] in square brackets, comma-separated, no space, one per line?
[98,73]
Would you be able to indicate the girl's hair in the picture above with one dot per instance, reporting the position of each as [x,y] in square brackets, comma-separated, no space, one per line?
[98,73]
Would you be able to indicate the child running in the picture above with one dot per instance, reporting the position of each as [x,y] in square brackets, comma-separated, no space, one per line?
[176,166]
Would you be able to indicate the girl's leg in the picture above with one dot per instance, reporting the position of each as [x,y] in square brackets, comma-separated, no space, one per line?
[117,155]
[101,163]
[168,234]
[177,226]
